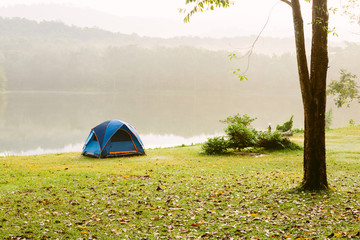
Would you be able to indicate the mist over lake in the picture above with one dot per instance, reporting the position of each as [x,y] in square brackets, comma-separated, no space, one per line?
[61,121]
[57,82]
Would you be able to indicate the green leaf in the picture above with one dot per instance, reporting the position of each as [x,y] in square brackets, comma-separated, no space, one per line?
[232,55]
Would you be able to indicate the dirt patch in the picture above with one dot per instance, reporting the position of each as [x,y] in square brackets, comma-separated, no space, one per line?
[251,154]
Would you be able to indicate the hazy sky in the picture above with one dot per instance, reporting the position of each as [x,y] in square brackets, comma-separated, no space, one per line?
[245,18]
[153,8]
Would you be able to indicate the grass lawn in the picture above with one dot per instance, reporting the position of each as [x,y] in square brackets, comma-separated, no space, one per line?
[179,193]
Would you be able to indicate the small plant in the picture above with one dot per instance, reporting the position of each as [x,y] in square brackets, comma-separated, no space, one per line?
[216,145]
[286,126]
[298,130]
[351,122]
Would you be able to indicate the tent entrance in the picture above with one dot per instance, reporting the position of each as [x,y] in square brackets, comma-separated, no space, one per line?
[122,143]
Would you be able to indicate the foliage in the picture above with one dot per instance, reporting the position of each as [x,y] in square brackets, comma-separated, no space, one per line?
[240,136]
[177,193]
[315,176]
[275,141]
[351,122]
[240,75]
[286,126]
[350,8]
[239,132]
[215,145]
[203,5]
[244,120]
[328,118]
[298,130]
[345,90]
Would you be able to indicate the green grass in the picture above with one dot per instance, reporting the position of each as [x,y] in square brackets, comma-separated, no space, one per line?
[179,193]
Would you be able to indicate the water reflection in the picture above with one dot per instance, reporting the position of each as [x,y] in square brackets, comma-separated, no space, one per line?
[61,121]
[149,140]
[156,141]
[39,150]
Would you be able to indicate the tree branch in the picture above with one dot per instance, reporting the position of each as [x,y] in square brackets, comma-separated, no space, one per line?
[204,5]
[303,70]
[249,53]
[287,2]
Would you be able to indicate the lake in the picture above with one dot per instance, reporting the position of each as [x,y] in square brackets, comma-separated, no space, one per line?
[35,122]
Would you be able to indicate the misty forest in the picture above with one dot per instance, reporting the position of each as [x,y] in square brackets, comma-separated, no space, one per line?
[107,135]
[73,78]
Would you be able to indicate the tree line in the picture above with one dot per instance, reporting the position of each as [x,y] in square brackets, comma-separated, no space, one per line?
[51,56]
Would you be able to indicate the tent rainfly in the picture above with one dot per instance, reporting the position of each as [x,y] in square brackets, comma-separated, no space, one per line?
[113,138]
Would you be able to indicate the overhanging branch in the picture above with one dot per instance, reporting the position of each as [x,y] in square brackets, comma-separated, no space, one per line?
[287,2]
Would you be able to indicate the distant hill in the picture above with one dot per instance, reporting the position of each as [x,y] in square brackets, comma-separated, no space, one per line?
[51,55]
[94,25]
[21,27]
[56,30]
[143,26]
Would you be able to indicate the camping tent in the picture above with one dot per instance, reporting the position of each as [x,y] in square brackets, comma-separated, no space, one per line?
[112,139]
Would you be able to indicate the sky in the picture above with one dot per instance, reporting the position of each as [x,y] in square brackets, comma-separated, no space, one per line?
[144,8]
[243,19]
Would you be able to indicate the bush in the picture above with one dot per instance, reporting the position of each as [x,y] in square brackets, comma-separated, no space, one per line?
[240,136]
[286,126]
[244,120]
[351,122]
[216,145]
[275,141]
[271,140]
[298,130]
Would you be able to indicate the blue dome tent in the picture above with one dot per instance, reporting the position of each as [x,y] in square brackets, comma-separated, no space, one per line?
[112,139]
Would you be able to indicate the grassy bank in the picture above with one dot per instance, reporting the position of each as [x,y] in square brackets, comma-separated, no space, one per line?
[180,193]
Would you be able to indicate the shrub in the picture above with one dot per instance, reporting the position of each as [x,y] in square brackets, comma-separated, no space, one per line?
[286,126]
[216,145]
[351,122]
[244,120]
[240,136]
[298,130]
[275,141]
[270,140]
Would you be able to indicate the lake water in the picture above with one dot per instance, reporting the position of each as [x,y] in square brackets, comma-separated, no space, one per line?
[47,122]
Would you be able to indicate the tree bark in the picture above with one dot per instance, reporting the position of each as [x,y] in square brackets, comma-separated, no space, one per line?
[313,91]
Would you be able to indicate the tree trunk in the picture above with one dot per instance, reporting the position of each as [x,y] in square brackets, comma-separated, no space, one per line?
[314,148]
[313,90]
